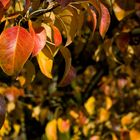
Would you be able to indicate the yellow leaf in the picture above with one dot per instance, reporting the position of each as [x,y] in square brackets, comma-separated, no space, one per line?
[90,105]
[120,13]
[51,130]
[63,125]
[36,112]
[134,134]
[10,106]
[108,103]
[5,130]
[74,114]
[16,130]
[45,62]
[103,115]
[114,137]
[127,119]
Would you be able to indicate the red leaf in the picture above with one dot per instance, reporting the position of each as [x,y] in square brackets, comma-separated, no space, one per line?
[39,37]
[105,20]
[16,46]
[122,41]
[57,36]
[5,3]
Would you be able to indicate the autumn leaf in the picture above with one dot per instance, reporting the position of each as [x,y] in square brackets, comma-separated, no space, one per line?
[51,130]
[90,105]
[69,23]
[45,61]
[105,20]
[5,3]
[56,36]
[63,125]
[16,45]
[39,36]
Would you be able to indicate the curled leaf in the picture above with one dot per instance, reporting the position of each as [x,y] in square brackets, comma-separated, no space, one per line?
[56,36]
[45,62]
[105,20]
[39,37]
[51,130]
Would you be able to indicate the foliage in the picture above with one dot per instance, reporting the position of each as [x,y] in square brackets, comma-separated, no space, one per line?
[93,95]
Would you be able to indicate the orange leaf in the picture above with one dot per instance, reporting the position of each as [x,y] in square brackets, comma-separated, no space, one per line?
[105,20]
[15,48]
[45,62]
[56,35]
[5,3]
[93,18]
[39,37]
[134,134]
[51,130]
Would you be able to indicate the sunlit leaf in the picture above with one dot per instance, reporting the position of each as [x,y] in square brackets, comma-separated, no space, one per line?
[95,138]
[56,36]
[127,119]
[105,20]
[119,12]
[67,56]
[68,19]
[90,105]
[2,110]
[11,107]
[126,4]
[39,36]
[108,103]
[51,130]
[15,48]
[5,3]
[5,130]
[114,137]
[63,125]
[103,115]
[12,93]
[45,62]
[134,134]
